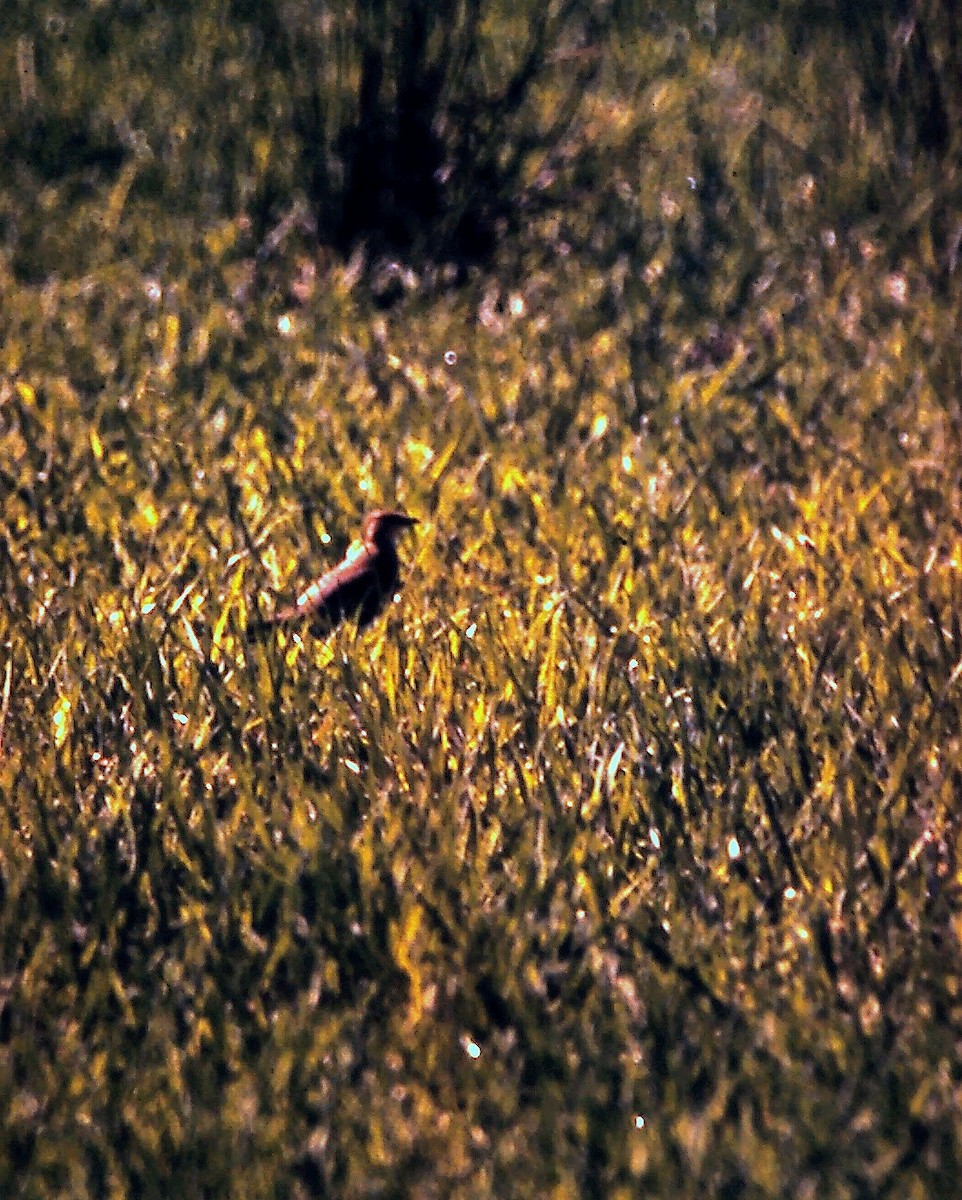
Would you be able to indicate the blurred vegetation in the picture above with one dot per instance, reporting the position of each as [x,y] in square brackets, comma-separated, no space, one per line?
[622,856]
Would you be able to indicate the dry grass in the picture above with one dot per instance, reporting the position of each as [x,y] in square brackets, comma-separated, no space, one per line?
[621,855]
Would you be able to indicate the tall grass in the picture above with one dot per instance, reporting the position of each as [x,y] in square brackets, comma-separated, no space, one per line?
[621,855]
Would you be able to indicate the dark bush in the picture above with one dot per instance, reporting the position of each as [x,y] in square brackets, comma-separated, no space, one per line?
[418,122]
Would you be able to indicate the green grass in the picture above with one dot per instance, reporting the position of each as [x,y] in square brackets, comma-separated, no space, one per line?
[621,856]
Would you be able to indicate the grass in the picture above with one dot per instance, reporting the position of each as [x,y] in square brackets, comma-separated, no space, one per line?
[621,855]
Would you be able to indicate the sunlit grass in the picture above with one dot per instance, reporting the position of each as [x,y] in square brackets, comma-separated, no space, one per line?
[618,856]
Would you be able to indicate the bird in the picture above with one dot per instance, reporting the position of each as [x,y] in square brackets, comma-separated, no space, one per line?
[359,585]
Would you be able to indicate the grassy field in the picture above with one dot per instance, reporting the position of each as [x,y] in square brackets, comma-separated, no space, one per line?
[622,855]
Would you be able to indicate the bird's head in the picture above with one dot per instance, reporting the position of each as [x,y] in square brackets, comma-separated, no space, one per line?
[382,526]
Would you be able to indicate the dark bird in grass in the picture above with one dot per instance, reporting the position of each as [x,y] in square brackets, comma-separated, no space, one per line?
[358,586]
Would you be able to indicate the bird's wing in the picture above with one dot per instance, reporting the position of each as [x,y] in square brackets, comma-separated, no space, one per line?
[336,594]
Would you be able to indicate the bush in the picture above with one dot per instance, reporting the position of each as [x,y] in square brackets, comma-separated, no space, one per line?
[419,122]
